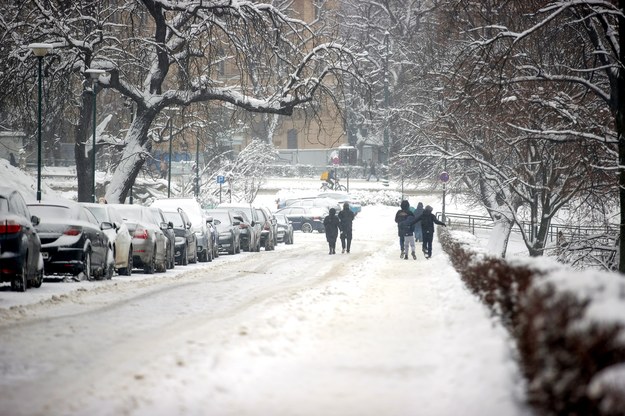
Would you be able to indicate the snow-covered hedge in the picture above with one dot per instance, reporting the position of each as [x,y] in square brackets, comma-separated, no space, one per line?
[569,326]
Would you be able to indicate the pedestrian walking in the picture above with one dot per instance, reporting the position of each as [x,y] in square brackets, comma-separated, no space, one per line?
[418,232]
[346,218]
[427,220]
[331,224]
[400,216]
[372,171]
[406,229]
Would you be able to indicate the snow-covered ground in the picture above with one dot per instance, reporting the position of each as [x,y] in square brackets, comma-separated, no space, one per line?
[289,332]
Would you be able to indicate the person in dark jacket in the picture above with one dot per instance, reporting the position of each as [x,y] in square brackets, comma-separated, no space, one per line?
[427,220]
[400,216]
[346,216]
[331,224]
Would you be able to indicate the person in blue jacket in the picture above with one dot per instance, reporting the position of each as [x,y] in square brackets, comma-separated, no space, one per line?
[418,232]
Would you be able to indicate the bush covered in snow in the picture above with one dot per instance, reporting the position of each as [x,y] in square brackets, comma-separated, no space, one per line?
[568,326]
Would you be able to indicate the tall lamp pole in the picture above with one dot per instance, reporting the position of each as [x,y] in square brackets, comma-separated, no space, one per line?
[39,50]
[387,146]
[94,74]
[172,111]
[197,166]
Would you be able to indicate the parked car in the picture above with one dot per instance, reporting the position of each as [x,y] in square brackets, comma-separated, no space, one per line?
[72,240]
[198,223]
[306,219]
[21,262]
[269,233]
[228,230]
[149,243]
[341,197]
[285,229]
[168,230]
[251,229]
[326,203]
[186,242]
[118,235]
[214,234]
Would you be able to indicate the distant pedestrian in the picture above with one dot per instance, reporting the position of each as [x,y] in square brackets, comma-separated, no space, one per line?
[12,159]
[163,168]
[428,220]
[346,217]
[372,171]
[331,224]
[400,216]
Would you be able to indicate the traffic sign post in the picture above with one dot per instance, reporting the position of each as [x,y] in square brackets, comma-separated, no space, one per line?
[444,177]
[220,180]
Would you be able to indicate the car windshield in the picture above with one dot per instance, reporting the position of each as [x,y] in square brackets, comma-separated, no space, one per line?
[4,205]
[51,211]
[221,216]
[174,218]
[98,212]
[129,213]
[281,219]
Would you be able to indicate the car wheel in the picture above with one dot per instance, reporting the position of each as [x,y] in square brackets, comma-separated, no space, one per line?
[151,266]
[184,257]
[21,280]
[38,280]
[127,271]
[307,227]
[87,265]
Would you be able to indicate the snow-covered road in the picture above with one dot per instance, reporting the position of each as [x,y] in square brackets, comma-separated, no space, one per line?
[289,332]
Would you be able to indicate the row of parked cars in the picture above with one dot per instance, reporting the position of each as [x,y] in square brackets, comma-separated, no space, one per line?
[93,241]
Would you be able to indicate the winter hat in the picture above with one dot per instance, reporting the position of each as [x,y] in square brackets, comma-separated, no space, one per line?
[420,205]
[428,208]
[332,212]
[345,206]
[405,204]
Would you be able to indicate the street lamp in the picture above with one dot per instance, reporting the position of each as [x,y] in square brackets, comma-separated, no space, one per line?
[94,74]
[39,50]
[172,110]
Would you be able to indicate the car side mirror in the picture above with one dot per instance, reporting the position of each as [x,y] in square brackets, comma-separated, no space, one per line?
[236,222]
[188,224]
[164,226]
[105,225]
[34,220]
[209,220]
[116,225]
[170,225]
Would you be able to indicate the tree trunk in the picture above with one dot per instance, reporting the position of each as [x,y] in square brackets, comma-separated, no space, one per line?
[620,129]
[133,157]
[499,236]
[81,134]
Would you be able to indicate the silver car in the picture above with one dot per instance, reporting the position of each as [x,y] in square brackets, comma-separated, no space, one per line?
[149,243]
[119,235]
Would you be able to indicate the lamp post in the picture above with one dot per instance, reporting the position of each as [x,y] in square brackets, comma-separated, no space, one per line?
[387,144]
[39,50]
[197,166]
[172,111]
[94,74]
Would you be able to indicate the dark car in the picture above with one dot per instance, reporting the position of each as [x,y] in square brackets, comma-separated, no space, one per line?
[228,230]
[251,230]
[168,230]
[285,229]
[72,240]
[186,242]
[306,219]
[21,262]
[269,233]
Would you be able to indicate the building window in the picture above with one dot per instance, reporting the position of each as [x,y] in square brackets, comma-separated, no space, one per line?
[291,139]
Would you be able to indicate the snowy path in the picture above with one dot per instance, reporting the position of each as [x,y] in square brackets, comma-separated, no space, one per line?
[289,332]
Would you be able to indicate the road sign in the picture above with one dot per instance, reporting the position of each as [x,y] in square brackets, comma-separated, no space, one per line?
[335,160]
[444,177]
[221,179]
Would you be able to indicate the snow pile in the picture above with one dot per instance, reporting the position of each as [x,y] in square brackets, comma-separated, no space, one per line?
[569,326]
